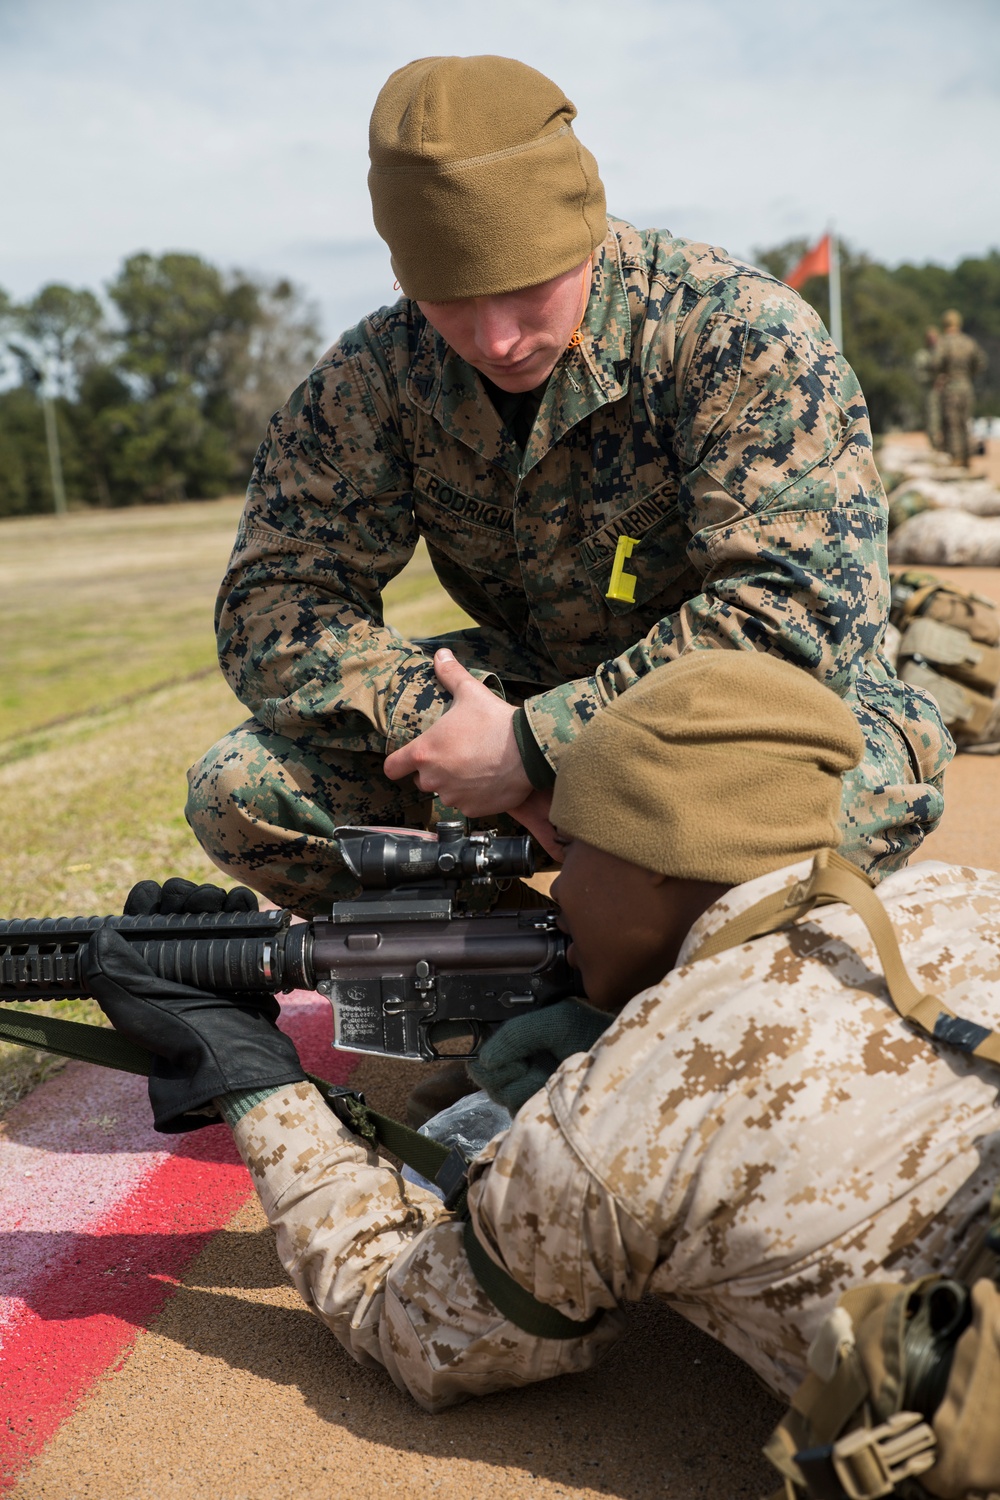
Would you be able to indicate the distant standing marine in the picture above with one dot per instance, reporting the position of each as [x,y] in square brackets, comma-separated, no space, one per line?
[959,359]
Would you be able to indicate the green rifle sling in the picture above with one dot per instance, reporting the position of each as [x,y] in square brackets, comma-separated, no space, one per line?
[74,1039]
[518,1306]
[106,1048]
[427,1156]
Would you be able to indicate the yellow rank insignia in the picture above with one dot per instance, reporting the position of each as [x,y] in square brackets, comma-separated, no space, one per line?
[622,585]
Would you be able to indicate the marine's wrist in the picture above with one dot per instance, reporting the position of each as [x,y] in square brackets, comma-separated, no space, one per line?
[536,767]
[239,1102]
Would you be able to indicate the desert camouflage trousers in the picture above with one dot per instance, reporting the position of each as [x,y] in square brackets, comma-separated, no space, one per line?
[264,807]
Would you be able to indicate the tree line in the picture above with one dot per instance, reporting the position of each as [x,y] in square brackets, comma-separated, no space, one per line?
[162,391]
[886,314]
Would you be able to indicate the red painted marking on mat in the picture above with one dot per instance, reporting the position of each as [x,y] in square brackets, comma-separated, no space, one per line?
[102,1280]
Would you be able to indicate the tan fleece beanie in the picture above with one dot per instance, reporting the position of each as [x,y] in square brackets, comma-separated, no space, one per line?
[721,765]
[478,184]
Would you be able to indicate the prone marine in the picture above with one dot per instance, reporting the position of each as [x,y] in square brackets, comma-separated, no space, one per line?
[784,1122]
[619,446]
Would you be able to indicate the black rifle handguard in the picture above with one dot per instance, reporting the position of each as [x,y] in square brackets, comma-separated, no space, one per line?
[225,952]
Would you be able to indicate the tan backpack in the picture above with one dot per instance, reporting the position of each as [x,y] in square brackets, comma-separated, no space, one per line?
[902,1397]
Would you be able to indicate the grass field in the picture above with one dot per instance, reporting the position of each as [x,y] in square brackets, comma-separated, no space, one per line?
[109,690]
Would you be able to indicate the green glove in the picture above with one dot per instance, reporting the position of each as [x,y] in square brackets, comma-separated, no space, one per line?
[518,1058]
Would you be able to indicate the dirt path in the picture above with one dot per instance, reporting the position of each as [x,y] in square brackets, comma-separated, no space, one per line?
[237,1386]
[236,1390]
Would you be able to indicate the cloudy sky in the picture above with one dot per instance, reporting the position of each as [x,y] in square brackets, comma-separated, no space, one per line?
[238,128]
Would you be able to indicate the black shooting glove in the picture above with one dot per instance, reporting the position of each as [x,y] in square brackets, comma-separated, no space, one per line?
[203,1045]
[174,896]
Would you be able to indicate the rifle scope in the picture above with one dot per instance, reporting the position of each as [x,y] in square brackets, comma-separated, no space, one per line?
[385,858]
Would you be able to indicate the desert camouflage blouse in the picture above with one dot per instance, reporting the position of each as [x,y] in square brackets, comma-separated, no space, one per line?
[752,1136]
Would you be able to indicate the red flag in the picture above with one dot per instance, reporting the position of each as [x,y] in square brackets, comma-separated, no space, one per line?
[815,262]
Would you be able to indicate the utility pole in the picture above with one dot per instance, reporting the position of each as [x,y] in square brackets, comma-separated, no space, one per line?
[55,457]
[37,377]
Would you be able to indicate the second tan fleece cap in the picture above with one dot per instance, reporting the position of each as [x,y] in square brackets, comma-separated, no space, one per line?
[721,765]
[478,184]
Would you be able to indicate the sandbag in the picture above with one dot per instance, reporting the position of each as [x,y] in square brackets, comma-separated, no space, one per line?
[947,642]
[943,538]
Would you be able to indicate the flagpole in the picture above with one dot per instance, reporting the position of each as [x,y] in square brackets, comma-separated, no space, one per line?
[836,315]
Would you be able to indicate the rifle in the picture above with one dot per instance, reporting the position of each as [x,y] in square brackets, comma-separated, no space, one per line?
[404,964]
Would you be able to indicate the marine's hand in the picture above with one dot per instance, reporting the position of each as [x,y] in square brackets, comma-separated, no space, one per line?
[203,1045]
[534,814]
[470,756]
[517,1059]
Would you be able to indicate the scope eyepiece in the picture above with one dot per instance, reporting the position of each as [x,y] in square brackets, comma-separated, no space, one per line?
[382,859]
